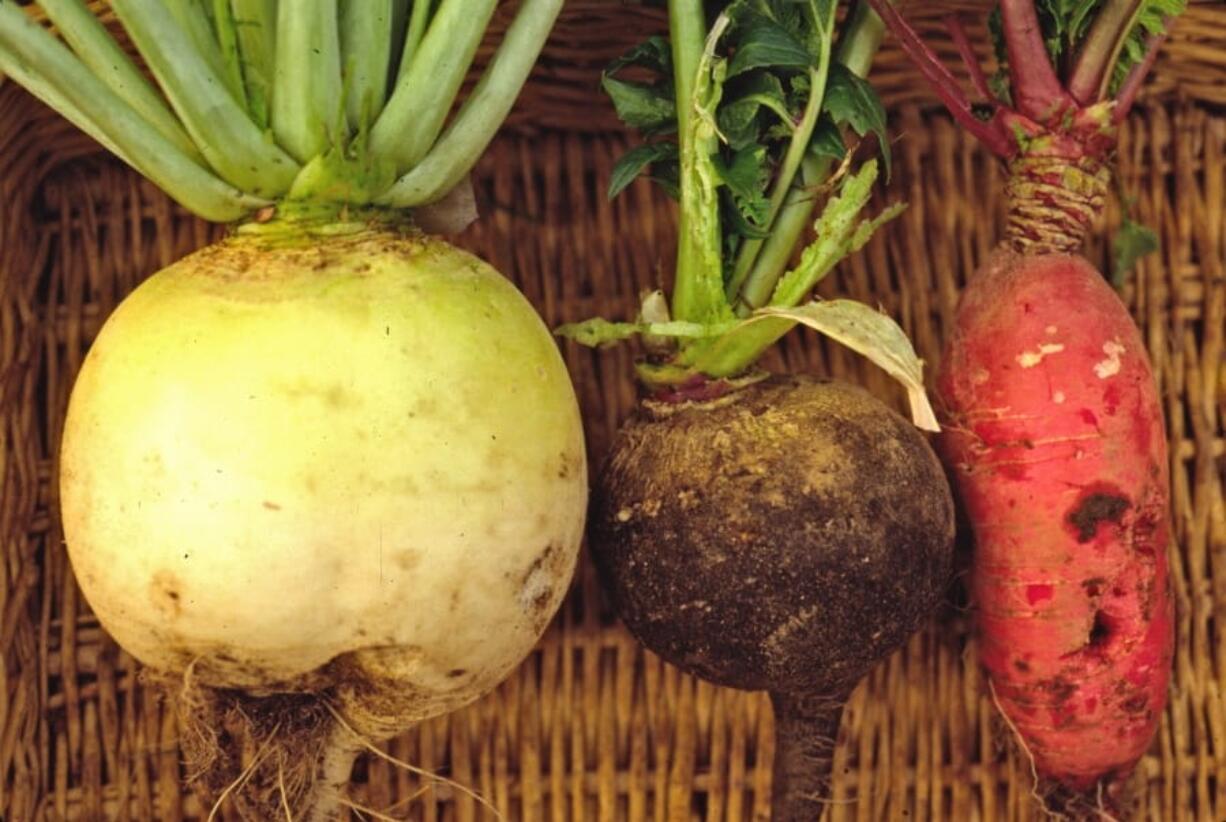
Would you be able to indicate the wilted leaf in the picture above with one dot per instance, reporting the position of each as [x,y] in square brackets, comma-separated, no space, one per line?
[874,335]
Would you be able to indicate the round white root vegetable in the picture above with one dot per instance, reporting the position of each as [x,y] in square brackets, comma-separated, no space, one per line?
[354,470]
[325,478]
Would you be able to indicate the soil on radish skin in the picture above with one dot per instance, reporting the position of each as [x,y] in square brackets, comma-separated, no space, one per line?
[785,538]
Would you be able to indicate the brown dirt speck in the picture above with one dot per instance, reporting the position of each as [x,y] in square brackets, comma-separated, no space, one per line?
[166,593]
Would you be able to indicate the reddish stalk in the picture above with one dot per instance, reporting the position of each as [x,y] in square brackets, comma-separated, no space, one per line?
[1037,92]
[979,80]
[1100,49]
[1132,84]
[992,132]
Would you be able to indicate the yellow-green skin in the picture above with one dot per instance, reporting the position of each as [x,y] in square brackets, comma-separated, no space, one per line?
[353,466]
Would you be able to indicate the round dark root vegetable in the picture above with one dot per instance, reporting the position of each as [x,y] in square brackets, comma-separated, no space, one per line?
[762,532]
[785,537]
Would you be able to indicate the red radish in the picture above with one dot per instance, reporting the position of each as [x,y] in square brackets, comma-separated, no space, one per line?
[1053,427]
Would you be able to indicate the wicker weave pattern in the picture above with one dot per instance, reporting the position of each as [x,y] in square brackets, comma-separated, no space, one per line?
[591,727]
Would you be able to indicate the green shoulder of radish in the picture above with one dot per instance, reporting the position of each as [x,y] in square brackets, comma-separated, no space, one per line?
[326,476]
[1054,428]
[765,532]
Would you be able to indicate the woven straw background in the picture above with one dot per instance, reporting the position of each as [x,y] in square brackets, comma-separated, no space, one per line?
[591,727]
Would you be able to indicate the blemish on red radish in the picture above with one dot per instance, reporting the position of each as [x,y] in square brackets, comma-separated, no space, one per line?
[1039,592]
[1094,586]
[1097,504]
[1111,398]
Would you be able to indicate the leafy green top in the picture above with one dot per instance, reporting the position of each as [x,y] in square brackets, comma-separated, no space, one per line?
[258,101]
[1067,26]
[755,139]
[774,47]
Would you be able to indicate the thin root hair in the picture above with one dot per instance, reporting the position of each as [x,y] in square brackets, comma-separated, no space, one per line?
[367,745]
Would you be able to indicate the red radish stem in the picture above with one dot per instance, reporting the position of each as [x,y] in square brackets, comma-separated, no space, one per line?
[954,25]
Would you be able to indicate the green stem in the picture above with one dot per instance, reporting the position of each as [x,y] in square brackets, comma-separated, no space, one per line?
[306,100]
[419,17]
[687,29]
[366,36]
[755,289]
[99,51]
[763,265]
[192,19]
[776,251]
[227,41]
[414,116]
[256,24]
[233,145]
[732,353]
[862,37]
[42,64]
[483,112]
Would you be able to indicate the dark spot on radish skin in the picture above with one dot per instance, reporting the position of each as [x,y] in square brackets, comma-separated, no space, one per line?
[1094,509]
[1088,417]
[1136,703]
[1094,586]
[1101,631]
[1059,688]
[1022,665]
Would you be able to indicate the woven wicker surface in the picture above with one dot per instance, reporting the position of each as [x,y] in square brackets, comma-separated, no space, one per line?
[591,727]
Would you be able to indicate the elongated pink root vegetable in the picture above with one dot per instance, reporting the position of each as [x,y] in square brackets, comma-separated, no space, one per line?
[1054,430]
[1056,439]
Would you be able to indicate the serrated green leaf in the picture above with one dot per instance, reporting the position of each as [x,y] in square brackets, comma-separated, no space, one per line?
[839,232]
[635,161]
[1064,23]
[1150,20]
[1132,241]
[1079,19]
[827,140]
[746,177]
[736,228]
[763,42]
[744,98]
[867,228]
[668,178]
[874,335]
[652,54]
[851,100]
[650,109]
